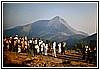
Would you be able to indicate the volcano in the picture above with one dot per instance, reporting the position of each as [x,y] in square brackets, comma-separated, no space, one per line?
[55,29]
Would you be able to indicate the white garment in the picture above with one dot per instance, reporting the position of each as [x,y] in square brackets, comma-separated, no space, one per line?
[59,45]
[16,38]
[19,50]
[35,42]
[45,49]
[54,45]
[37,48]
[26,38]
[26,47]
[54,49]
[30,41]
[42,46]
[40,42]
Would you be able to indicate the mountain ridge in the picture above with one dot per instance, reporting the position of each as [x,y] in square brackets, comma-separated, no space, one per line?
[54,29]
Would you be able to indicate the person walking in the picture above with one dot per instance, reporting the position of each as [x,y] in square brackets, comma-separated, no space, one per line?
[54,49]
[45,49]
[59,48]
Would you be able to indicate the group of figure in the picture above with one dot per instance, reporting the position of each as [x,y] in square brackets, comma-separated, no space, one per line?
[89,54]
[32,46]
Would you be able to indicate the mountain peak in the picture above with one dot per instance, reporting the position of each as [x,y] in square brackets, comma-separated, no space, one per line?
[56,18]
[56,21]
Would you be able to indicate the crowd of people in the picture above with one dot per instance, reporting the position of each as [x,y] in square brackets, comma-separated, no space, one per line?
[89,54]
[32,46]
[38,46]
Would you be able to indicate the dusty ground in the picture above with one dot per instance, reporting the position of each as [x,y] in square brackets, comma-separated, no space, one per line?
[71,59]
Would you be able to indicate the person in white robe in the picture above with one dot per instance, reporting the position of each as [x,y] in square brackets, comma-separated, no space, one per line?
[42,46]
[45,49]
[59,48]
[54,49]
[37,47]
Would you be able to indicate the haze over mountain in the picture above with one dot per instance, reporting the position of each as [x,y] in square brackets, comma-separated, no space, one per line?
[55,29]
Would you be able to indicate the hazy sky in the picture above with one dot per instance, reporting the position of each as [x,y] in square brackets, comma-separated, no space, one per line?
[81,16]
